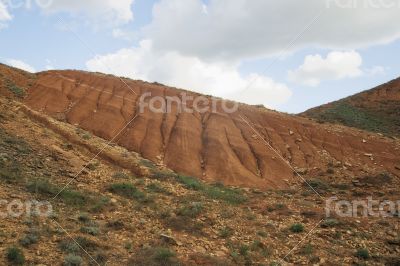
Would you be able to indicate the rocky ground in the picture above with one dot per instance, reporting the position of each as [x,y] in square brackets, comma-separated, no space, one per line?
[139,213]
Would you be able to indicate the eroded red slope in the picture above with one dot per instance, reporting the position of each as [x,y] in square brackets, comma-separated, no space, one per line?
[212,146]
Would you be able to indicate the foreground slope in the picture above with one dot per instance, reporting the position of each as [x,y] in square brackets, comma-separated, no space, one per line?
[376,110]
[214,146]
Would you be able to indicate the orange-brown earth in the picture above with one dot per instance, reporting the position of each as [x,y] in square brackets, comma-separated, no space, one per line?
[212,146]
[376,110]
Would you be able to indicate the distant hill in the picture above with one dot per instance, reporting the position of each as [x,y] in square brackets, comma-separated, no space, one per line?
[376,110]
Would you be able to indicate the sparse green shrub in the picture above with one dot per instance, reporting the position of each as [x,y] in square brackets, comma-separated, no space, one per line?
[117,224]
[91,230]
[190,182]
[225,232]
[156,188]
[329,223]
[86,136]
[363,253]
[69,246]
[127,190]
[15,256]
[262,233]
[17,91]
[191,210]
[128,246]
[163,255]
[307,250]
[76,246]
[120,175]
[29,239]
[84,217]
[318,185]
[216,191]
[72,260]
[244,250]
[297,228]
[68,196]
[154,257]
[99,258]
[229,195]
[161,175]
[100,204]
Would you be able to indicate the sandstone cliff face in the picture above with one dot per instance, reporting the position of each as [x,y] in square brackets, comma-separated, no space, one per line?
[214,146]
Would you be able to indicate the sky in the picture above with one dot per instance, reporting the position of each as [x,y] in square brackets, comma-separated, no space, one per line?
[289,55]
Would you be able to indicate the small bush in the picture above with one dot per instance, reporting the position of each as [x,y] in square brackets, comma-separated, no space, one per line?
[86,136]
[297,228]
[120,175]
[190,182]
[100,204]
[225,232]
[163,255]
[216,191]
[15,256]
[73,260]
[330,223]
[116,225]
[262,233]
[219,192]
[154,257]
[29,239]
[127,190]
[307,250]
[68,196]
[99,258]
[191,210]
[84,217]
[91,230]
[161,175]
[70,246]
[362,253]
[153,187]
[17,91]
[318,185]
[244,250]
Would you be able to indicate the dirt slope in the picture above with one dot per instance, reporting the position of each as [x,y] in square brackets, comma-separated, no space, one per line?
[376,110]
[212,146]
[215,146]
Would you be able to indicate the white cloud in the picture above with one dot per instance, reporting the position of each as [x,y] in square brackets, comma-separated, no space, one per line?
[189,72]
[239,29]
[114,12]
[376,70]
[20,64]
[336,65]
[124,34]
[4,15]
